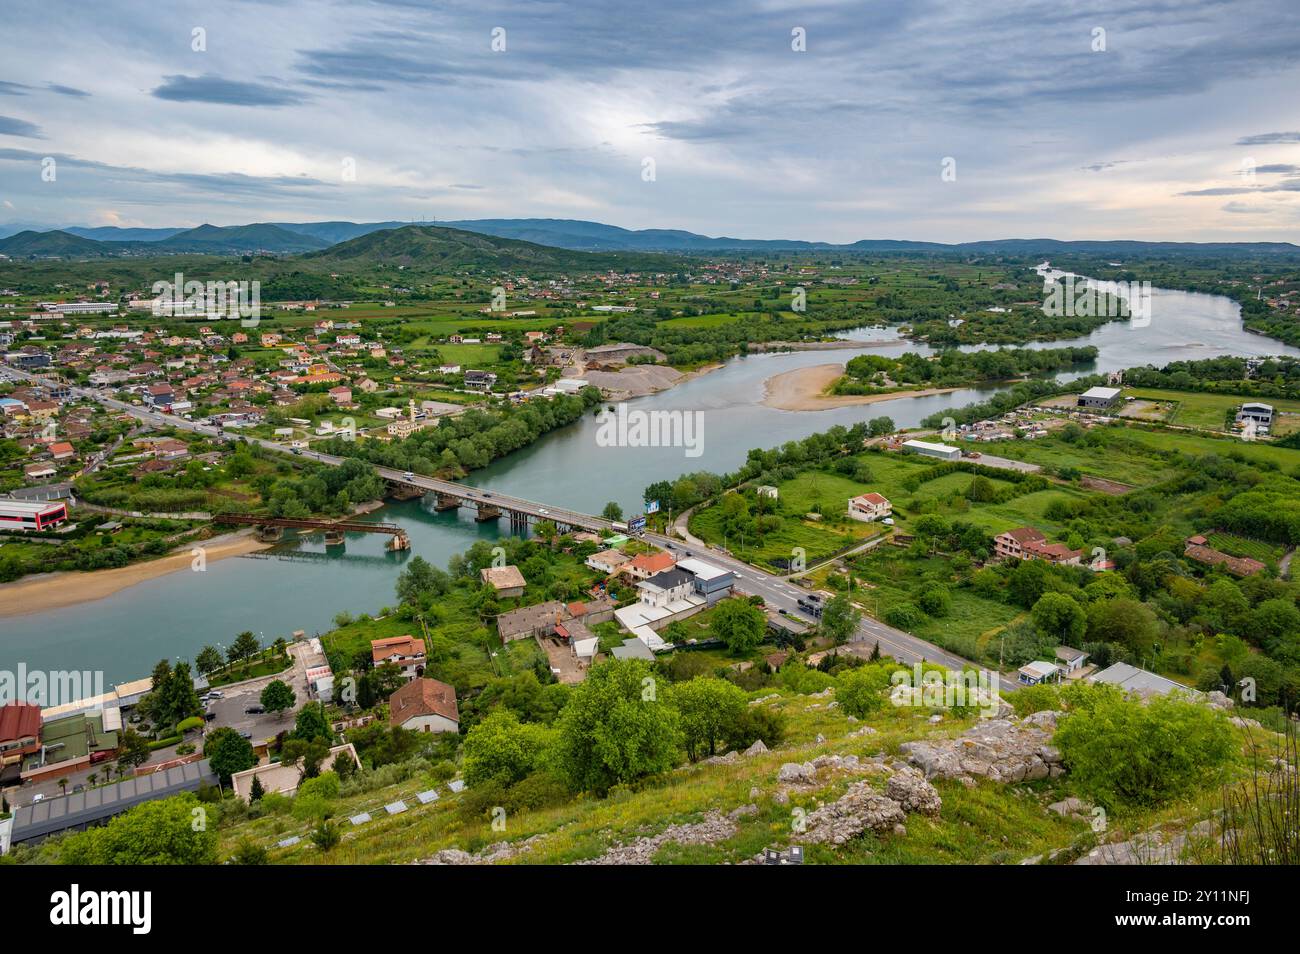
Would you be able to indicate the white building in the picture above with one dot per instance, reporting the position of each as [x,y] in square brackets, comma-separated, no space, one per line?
[869,507]
[927,449]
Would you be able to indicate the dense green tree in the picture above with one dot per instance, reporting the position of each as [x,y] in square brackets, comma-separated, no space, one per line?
[739,624]
[132,748]
[313,725]
[710,710]
[502,750]
[1061,618]
[208,660]
[615,728]
[1130,753]
[228,752]
[278,697]
[168,831]
[859,691]
[840,619]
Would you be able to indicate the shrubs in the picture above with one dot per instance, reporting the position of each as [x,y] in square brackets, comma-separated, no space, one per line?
[616,728]
[709,709]
[907,616]
[502,750]
[935,600]
[1125,753]
[859,690]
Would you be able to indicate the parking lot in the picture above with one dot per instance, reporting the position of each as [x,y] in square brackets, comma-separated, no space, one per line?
[230,708]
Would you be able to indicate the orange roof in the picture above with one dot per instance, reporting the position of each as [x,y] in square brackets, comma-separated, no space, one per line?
[386,648]
[18,720]
[1023,535]
[654,562]
[872,498]
[422,697]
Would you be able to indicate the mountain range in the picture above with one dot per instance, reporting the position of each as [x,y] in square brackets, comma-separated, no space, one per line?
[570,234]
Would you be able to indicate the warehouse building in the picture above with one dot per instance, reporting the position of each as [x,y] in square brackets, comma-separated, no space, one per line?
[29,515]
[927,449]
[1099,399]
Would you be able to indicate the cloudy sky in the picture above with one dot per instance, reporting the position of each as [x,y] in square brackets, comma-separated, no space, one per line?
[1185,126]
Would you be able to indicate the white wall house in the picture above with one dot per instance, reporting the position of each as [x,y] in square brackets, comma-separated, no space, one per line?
[869,507]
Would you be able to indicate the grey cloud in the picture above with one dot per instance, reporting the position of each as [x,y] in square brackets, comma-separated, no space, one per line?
[9,126]
[66,90]
[215,89]
[1269,139]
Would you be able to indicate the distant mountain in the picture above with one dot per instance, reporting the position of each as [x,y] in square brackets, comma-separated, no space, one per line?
[582,236]
[334,232]
[112,233]
[425,246]
[30,244]
[237,239]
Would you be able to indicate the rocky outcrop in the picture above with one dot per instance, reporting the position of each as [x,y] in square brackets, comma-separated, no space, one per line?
[910,789]
[863,807]
[492,854]
[860,809]
[714,828]
[1001,750]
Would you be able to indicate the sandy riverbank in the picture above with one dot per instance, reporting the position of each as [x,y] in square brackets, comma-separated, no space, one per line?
[804,389]
[46,591]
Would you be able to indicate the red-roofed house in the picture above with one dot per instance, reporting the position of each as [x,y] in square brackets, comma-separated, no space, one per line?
[869,507]
[645,565]
[424,705]
[1028,543]
[405,652]
[20,733]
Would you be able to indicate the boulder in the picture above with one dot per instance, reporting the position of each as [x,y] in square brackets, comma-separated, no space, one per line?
[909,788]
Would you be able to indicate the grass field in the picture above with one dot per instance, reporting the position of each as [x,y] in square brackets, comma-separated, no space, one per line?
[984,824]
[1210,411]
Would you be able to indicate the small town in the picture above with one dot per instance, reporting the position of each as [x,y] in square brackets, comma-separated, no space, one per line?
[442,443]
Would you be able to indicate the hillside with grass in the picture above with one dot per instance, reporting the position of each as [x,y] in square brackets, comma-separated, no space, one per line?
[434,248]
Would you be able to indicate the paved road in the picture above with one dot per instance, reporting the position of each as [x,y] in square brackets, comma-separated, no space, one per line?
[777,591]
[781,593]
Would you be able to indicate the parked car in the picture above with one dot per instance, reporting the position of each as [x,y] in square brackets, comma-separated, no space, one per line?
[254,710]
[216,694]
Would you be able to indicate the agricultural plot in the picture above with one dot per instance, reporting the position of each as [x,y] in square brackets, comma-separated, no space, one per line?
[1210,411]
[1235,545]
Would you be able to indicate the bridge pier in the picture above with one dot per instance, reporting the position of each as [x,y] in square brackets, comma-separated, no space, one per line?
[334,538]
[399,541]
[518,522]
[486,512]
[404,491]
[270,534]
[445,502]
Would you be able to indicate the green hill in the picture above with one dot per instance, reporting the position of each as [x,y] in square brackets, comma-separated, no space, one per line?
[235,239]
[436,248]
[55,244]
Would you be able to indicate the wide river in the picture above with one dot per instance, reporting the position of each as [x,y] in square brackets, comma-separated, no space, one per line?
[300,586]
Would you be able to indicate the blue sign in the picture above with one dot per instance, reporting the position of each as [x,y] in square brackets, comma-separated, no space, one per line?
[636,524]
[652,507]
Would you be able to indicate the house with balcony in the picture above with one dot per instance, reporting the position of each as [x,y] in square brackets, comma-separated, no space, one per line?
[404,652]
[869,507]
